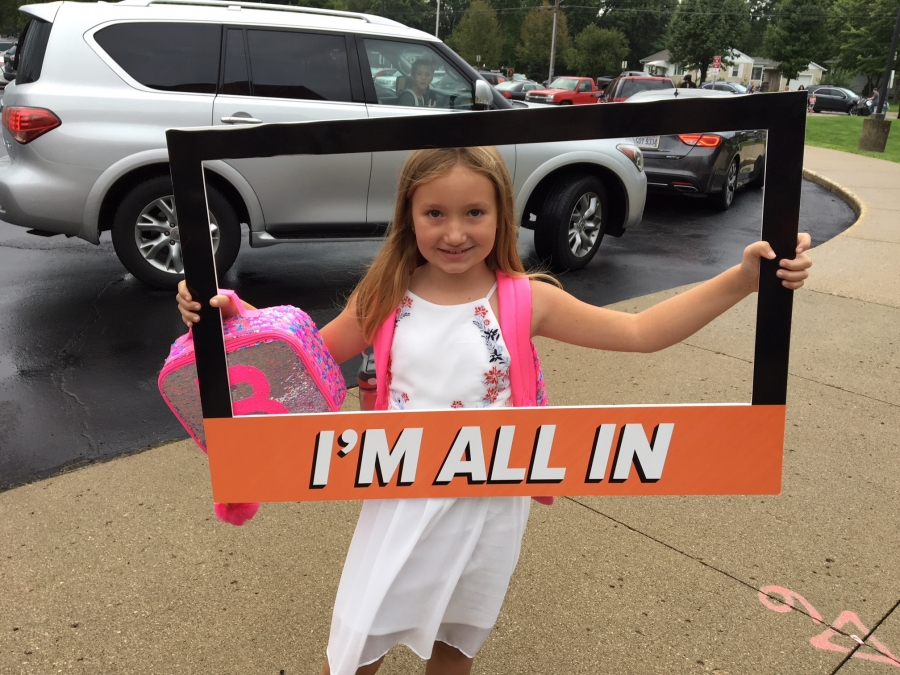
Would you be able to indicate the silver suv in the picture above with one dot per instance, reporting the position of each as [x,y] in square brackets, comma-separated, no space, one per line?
[98,84]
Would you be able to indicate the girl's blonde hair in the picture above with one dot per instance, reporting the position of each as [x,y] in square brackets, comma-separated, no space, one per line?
[381,289]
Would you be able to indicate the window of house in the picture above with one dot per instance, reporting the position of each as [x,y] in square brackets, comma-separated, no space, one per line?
[756,73]
[168,56]
[735,70]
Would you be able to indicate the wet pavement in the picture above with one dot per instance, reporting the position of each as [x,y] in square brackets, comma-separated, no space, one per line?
[83,341]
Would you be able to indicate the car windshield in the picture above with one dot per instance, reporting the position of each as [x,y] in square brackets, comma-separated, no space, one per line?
[739,88]
[631,87]
[566,83]
[506,86]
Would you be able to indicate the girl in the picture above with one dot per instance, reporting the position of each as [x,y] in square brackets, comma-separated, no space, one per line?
[432,573]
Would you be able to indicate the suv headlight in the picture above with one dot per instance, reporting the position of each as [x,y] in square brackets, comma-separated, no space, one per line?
[633,153]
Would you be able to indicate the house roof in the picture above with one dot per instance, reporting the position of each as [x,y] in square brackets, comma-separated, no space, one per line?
[658,56]
[765,63]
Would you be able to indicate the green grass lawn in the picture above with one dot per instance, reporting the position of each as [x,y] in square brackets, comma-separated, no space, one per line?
[841,132]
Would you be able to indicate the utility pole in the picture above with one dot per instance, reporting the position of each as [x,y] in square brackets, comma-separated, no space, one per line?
[553,40]
[888,69]
[437,21]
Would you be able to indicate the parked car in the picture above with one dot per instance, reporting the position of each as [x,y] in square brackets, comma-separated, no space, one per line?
[835,99]
[516,89]
[714,165]
[624,87]
[85,119]
[730,87]
[9,65]
[492,77]
[603,83]
[566,91]
[7,56]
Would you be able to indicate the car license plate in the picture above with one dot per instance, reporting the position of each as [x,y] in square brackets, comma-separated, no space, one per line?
[647,142]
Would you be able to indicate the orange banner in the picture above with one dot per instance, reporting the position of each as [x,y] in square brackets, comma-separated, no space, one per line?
[642,450]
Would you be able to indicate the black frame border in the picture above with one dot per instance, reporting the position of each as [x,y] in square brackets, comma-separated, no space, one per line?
[782,115]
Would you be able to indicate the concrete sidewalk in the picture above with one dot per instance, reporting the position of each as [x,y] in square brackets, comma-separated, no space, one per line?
[122,567]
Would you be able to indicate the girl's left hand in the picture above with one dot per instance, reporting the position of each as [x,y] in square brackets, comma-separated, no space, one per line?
[792,272]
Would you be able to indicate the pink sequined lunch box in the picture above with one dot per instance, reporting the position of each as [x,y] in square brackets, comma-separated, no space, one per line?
[277,364]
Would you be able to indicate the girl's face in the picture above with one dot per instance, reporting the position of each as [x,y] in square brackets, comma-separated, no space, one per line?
[455,220]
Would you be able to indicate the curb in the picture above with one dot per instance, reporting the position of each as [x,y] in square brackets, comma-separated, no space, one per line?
[855,203]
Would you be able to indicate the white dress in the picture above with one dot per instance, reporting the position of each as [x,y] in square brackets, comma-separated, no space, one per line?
[421,570]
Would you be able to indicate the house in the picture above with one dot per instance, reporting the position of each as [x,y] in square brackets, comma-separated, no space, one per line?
[765,74]
[736,67]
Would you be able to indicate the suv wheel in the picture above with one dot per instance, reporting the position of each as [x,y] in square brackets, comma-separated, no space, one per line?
[145,233]
[570,226]
[724,199]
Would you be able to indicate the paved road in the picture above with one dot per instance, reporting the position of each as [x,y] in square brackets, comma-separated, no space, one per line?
[83,341]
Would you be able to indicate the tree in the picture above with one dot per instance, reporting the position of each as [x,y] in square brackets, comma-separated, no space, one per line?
[795,35]
[863,31]
[597,51]
[760,17]
[479,34]
[702,29]
[643,22]
[533,50]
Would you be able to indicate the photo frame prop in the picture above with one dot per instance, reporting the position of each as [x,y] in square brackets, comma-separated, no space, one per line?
[635,450]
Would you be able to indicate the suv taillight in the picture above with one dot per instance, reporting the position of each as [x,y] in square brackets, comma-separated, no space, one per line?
[26,124]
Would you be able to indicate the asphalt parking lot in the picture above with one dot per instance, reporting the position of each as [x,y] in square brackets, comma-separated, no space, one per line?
[84,341]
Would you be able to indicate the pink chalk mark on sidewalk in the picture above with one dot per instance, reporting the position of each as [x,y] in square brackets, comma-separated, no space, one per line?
[823,639]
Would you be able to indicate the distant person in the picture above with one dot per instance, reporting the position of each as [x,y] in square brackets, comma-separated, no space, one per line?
[418,93]
[801,88]
[873,100]
[688,82]
[750,88]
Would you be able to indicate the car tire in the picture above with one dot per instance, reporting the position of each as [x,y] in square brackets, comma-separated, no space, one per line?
[570,225]
[723,200]
[566,103]
[145,233]
[759,182]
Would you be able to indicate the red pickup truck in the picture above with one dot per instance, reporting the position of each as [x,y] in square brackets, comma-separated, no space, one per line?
[566,91]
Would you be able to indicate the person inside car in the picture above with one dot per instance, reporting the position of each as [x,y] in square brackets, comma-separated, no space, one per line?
[418,93]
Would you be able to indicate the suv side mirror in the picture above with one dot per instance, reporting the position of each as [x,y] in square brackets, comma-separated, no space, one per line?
[484,95]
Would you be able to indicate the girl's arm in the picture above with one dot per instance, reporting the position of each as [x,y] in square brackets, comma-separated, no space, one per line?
[560,316]
[342,336]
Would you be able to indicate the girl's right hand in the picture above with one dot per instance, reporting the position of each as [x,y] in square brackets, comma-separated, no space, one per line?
[189,308]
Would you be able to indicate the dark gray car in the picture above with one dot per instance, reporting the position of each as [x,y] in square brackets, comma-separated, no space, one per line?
[835,99]
[715,164]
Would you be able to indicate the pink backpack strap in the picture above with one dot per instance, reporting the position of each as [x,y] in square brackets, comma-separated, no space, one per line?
[381,346]
[514,296]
